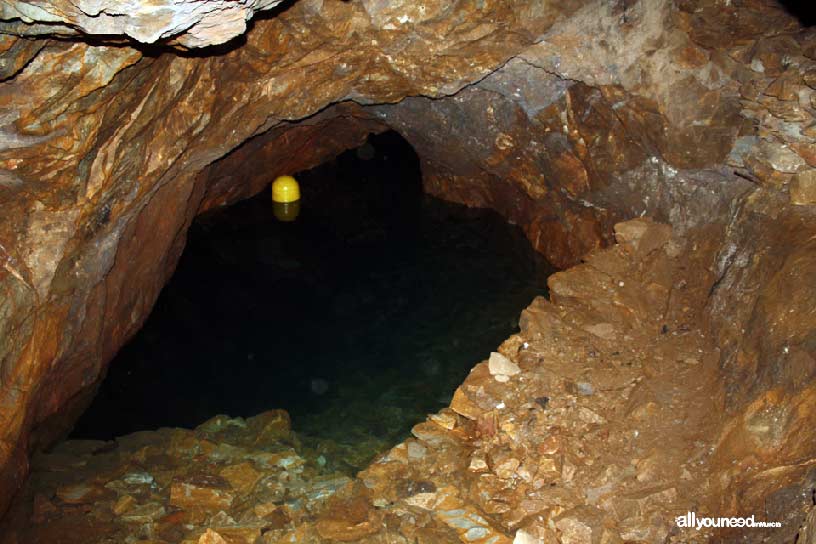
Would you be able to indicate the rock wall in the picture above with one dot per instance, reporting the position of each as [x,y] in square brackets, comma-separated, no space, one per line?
[187,24]
[567,117]
[102,145]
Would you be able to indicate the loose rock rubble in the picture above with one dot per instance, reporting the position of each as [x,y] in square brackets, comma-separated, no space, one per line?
[595,423]
[229,480]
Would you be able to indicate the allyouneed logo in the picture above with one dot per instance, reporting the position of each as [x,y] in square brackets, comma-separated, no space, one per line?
[691,520]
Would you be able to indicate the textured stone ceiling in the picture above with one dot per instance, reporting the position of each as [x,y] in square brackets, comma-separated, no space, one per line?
[187,23]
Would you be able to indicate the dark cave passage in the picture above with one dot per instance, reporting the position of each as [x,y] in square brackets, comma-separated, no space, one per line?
[359,318]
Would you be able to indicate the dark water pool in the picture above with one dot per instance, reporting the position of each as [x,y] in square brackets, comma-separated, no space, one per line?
[359,318]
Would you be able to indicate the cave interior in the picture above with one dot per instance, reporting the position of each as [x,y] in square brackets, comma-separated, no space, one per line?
[549,278]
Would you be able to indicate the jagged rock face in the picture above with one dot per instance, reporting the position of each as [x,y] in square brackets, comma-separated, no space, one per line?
[567,117]
[188,23]
[102,147]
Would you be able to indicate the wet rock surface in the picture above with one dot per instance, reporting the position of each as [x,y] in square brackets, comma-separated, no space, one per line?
[229,480]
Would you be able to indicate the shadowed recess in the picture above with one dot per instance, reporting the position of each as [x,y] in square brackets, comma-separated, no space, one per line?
[359,318]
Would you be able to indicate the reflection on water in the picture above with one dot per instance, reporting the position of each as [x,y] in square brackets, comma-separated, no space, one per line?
[359,318]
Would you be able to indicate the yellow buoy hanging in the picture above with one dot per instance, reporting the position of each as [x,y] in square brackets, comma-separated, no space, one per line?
[285,189]
[285,198]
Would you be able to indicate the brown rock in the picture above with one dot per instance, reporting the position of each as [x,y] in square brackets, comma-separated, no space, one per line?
[809,78]
[463,406]
[642,235]
[144,513]
[82,493]
[241,477]
[211,537]
[691,56]
[123,504]
[444,419]
[807,533]
[807,151]
[602,330]
[240,534]
[43,508]
[580,525]
[270,426]
[803,188]
[783,88]
[201,492]
[507,468]
[501,367]
[346,521]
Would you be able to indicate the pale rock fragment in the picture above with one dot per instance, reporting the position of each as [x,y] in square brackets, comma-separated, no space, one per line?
[144,513]
[523,537]
[123,504]
[77,494]
[507,469]
[211,537]
[478,464]
[426,501]
[574,531]
[641,235]
[501,367]
[588,416]
[602,330]
[445,420]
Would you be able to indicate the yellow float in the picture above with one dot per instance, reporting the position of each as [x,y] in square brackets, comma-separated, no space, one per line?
[285,198]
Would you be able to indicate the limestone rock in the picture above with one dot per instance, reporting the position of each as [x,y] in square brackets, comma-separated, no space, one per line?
[501,367]
[781,157]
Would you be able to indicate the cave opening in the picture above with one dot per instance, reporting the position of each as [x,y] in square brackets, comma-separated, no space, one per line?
[359,318]
[661,154]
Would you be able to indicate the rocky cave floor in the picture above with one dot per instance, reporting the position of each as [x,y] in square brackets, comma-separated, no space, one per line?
[595,424]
